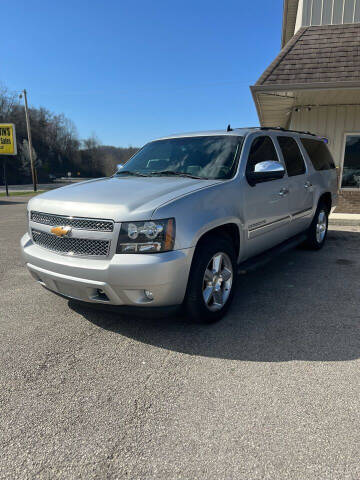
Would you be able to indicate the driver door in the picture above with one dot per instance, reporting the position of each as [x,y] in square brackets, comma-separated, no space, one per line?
[266,205]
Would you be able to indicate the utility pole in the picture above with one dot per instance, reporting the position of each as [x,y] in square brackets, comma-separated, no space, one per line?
[33,172]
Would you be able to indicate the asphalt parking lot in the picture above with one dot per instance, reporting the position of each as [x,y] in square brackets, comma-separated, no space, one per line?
[271,392]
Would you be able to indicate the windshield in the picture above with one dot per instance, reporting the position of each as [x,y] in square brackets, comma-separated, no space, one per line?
[212,157]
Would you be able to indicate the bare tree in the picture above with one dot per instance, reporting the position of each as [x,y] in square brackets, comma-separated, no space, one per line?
[25,158]
[56,143]
[7,101]
[91,143]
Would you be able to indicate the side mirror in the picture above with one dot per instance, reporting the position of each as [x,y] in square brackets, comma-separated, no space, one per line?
[265,171]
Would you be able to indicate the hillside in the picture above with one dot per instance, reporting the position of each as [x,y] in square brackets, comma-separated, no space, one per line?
[57,148]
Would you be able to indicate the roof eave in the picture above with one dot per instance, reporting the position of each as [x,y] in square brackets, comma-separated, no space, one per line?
[303,86]
[254,91]
[283,33]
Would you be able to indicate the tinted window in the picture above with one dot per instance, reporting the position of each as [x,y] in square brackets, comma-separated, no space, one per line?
[205,157]
[351,170]
[262,149]
[292,156]
[318,153]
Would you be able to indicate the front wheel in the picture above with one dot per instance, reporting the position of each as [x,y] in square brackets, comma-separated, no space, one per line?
[212,280]
[317,232]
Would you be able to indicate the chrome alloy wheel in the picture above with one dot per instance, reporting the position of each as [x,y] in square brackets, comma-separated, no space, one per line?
[217,282]
[321,226]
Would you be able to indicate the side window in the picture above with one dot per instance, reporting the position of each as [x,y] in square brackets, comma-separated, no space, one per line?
[318,153]
[292,156]
[262,149]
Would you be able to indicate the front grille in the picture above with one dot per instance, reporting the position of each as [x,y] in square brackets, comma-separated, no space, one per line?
[71,246]
[79,223]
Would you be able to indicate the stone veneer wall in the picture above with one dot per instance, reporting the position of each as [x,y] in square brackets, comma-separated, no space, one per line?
[349,202]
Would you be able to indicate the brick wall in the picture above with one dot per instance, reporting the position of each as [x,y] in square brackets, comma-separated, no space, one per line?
[349,202]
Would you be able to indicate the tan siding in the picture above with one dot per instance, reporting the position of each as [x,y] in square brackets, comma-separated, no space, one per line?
[349,11]
[338,11]
[322,118]
[316,12]
[327,12]
[331,122]
[330,129]
[306,15]
[357,11]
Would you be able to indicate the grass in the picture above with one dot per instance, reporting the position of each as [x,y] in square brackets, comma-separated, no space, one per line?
[17,194]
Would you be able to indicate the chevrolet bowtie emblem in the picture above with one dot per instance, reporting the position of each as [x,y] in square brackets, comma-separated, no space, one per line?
[61,231]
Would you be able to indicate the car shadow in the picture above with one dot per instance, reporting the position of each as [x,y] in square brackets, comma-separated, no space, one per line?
[302,305]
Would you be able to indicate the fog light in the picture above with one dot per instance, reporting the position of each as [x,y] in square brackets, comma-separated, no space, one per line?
[149,294]
[101,295]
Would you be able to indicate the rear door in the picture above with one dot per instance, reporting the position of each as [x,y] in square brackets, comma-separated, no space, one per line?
[266,205]
[301,190]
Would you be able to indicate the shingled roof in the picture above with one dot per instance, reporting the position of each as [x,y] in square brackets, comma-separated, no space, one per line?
[329,53]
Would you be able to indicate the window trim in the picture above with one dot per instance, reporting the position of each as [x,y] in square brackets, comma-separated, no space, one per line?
[297,141]
[276,147]
[341,167]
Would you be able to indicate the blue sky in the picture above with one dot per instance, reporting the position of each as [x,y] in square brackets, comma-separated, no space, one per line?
[131,71]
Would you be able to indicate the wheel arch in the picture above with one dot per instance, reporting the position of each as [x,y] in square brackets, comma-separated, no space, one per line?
[229,230]
[327,199]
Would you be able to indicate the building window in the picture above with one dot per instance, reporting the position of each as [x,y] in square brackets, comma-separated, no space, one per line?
[351,168]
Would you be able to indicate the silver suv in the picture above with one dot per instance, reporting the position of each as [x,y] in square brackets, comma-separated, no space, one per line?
[172,225]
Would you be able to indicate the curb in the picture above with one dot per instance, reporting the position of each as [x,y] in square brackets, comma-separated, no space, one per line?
[344,220]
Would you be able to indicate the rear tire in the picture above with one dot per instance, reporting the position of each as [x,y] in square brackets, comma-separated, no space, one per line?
[317,232]
[212,280]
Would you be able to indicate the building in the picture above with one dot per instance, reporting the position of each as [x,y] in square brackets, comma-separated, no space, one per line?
[314,83]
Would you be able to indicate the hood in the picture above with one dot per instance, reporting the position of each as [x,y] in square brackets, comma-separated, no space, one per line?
[116,198]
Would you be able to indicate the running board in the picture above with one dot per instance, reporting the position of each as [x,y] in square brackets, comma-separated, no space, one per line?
[266,257]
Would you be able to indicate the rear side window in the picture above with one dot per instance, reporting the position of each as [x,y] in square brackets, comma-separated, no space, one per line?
[318,153]
[262,149]
[292,156]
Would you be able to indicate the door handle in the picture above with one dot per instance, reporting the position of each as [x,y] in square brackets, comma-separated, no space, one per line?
[307,184]
[283,192]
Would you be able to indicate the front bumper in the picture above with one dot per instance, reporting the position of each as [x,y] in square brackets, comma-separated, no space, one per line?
[119,280]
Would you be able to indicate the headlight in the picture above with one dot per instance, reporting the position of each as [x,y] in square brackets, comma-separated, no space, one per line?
[146,237]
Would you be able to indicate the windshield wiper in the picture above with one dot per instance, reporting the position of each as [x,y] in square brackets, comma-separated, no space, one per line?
[178,174]
[129,172]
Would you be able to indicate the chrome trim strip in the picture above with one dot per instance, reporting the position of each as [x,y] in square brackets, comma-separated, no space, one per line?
[268,227]
[94,224]
[263,225]
[75,232]
[254,226]
[302,213]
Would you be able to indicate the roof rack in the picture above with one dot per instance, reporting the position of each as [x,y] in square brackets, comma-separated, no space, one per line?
[287,130]
[247,128]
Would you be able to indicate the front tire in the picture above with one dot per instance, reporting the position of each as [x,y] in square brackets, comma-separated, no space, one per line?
[212,280]
[317,233]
